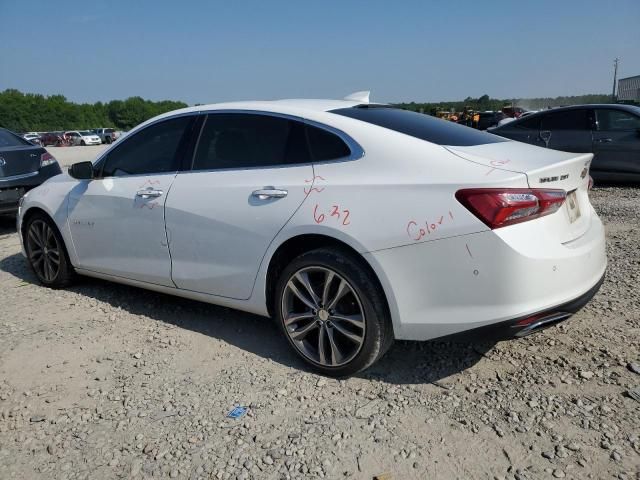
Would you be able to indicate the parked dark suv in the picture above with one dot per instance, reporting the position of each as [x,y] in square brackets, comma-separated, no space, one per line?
[610,132]
[23,166]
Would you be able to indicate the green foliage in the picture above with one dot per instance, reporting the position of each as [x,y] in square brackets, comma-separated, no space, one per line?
[485,103]
[23,112]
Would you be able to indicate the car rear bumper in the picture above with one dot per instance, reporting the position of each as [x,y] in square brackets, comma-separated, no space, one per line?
[12,188]
[460,284]
[529,324]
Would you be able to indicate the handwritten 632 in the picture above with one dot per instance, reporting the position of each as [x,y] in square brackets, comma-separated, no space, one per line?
[417,232]
[336,213]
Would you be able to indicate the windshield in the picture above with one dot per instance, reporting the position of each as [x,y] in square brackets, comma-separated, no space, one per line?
[424,127]
[85,133]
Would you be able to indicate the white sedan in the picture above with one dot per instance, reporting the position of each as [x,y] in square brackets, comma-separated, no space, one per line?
[83,137]
[351,223]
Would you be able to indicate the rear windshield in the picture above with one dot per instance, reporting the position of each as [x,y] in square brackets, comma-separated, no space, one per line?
[424,127]
[8,139]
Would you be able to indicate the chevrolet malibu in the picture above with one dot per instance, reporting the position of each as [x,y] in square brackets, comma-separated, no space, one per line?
[350,223]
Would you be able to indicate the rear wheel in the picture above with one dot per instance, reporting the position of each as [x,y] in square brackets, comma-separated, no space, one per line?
[46,252]
[332,313]
[108,139]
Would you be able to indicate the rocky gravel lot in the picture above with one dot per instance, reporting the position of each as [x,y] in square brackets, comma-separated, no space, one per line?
[108,381]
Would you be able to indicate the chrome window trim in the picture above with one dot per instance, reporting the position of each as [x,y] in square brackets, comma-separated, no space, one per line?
[357,152]
[20,177]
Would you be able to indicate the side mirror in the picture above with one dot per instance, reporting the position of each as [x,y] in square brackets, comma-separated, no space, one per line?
[81,170]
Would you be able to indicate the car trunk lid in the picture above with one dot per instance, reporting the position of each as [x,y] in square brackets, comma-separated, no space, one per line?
[19,160]
[547,169]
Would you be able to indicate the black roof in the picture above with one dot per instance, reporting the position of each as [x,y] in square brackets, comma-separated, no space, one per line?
[621,106]
[596,106]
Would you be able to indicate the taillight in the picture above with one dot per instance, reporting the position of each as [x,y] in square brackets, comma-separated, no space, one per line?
[46,159]
[499,207]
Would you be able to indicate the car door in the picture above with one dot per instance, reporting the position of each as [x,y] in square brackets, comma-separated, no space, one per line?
[117,220]
[616,143]
[250,174]
[567,130]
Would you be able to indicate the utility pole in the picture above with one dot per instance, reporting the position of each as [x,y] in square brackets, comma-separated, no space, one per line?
[615,75]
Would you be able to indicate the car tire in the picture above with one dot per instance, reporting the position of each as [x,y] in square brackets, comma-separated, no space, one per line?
[108,140]
[83,143]
[346,327]
[46,252]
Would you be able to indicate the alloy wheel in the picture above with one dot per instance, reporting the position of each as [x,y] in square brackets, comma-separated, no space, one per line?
[323,316]
[43,250]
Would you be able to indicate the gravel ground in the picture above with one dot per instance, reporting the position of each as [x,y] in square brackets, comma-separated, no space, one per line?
[108,381]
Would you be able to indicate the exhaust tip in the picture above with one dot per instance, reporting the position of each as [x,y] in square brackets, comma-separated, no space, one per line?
[543,322]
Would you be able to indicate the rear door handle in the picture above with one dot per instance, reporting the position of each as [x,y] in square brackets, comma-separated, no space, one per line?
[149,193]
[604,140]
[269,192]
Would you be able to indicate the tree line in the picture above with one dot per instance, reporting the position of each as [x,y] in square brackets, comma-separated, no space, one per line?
[25,112]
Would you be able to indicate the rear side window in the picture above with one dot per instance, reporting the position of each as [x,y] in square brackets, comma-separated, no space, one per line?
[617,120]
[424,127]
[8,139]
[325,145]
[566,120]
[152,150]
[239,140]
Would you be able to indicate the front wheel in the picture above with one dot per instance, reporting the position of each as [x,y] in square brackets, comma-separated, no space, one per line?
[83,143]
[46,252]
[332,313]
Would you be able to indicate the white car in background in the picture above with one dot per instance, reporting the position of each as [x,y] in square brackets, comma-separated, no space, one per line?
[83,137]
[107,135]
[351,223]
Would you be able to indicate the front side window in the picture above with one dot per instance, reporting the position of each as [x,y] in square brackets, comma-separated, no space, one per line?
[152,150]
[616,120]
[566,120]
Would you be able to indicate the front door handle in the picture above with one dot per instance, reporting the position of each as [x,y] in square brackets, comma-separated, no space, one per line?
[269,192]
[149,193]
[604,140]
